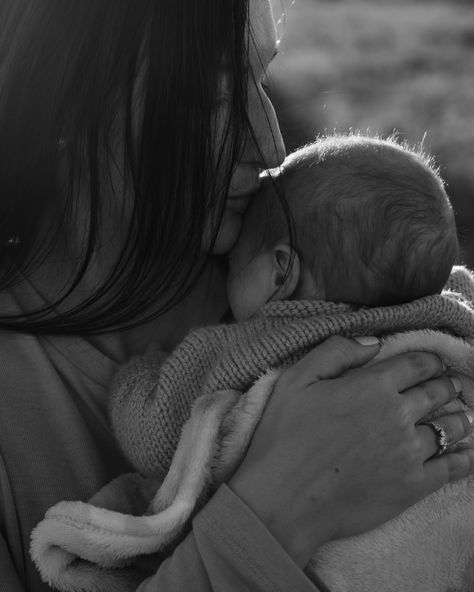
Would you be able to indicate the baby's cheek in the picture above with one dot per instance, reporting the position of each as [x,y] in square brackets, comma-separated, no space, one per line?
[241,296]
[234,295]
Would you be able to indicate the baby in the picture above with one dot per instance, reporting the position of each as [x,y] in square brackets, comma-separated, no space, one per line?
[373,226]
[371,247]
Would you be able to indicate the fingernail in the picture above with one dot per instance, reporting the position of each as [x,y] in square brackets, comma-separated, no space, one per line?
[470,416]
[367,340]
[457,384]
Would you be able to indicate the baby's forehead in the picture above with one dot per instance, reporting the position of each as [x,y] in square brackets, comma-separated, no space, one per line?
[284,188]
[302,182]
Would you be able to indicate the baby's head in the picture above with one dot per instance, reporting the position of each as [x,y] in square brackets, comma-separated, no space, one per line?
[373,226]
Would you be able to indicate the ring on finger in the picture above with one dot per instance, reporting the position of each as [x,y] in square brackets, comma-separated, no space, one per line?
[441,436]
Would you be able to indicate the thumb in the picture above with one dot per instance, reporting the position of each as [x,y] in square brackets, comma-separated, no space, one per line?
[334,356]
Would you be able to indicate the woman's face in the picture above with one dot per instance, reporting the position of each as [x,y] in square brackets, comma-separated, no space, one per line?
[271,153]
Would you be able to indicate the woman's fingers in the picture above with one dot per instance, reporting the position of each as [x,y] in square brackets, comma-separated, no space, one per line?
[431,394]
[332,358]
[454,406]
[337,355]
[409,369]
[456,426]
[448,468]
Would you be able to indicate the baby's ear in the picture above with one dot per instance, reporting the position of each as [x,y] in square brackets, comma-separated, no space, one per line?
[286,272]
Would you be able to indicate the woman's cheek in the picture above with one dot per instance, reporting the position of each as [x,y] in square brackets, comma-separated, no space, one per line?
[228,234]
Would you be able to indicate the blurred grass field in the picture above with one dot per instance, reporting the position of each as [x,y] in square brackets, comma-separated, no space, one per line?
[380,66]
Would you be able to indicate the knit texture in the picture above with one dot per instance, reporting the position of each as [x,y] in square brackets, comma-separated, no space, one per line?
[152,395]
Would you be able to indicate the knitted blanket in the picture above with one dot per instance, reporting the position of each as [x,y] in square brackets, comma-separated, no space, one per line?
[187,422]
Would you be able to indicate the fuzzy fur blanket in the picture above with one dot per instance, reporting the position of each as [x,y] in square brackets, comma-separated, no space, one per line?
[94,546]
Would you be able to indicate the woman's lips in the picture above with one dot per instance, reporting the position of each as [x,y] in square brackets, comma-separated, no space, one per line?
[237,204]
[244,189]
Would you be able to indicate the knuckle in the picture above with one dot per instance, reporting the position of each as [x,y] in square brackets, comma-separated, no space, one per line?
[422,362]
[382,380]
[414,445]
[465,426]
[403,420]
[432,393]
[418,450]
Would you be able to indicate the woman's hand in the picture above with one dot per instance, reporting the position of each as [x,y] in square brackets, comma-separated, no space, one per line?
[338,451]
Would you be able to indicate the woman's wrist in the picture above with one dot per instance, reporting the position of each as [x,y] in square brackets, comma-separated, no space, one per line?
[300,533]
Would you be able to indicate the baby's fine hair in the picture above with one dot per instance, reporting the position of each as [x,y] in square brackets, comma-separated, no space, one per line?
[373,221]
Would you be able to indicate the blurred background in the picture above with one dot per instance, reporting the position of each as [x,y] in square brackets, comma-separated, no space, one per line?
[380,66]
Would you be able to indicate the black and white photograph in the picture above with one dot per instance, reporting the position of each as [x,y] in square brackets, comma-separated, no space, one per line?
[237,295]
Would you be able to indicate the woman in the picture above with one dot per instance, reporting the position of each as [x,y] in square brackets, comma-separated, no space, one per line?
[132,135]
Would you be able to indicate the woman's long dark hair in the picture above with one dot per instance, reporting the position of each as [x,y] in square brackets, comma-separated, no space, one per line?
[66,70]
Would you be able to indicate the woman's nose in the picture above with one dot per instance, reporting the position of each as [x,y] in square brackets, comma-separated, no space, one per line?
[266,148]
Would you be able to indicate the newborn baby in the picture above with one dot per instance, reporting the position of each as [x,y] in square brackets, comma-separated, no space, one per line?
[373,226]
[372,245]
